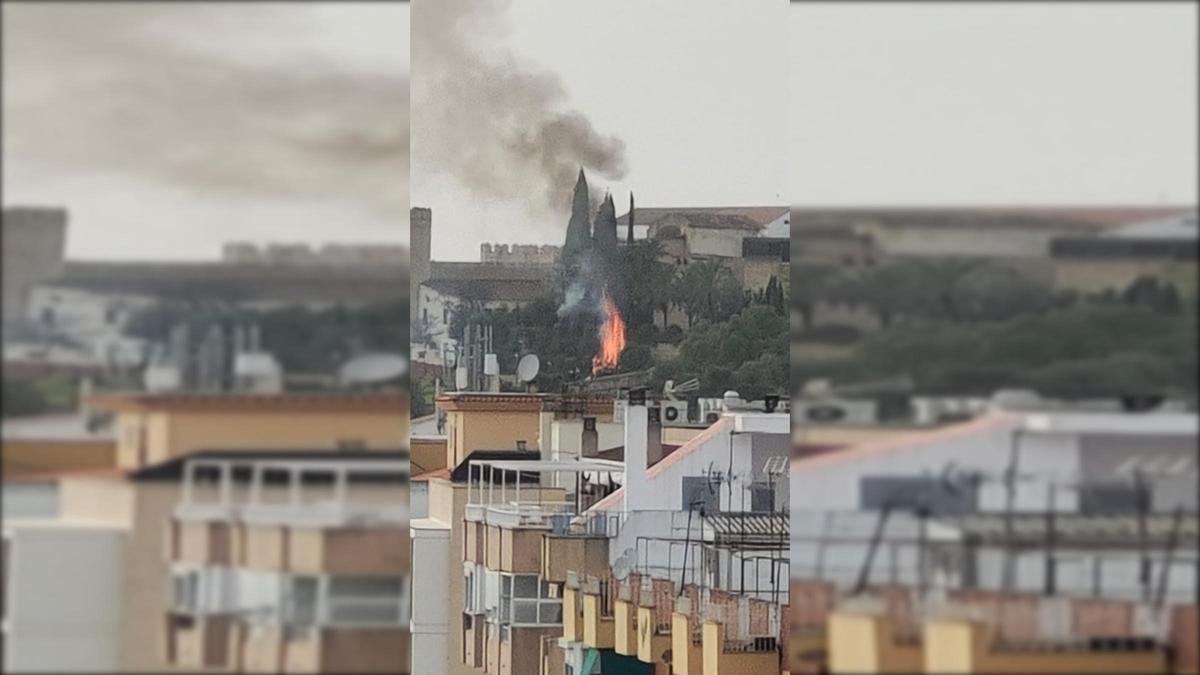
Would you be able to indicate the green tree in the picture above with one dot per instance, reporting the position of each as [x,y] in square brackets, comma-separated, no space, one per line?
[650,282]
[707,289]
[810,284]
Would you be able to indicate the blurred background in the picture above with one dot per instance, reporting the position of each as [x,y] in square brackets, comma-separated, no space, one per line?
[993,293]
[205,354]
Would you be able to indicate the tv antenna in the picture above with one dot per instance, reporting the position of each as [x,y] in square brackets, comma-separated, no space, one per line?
[670,389]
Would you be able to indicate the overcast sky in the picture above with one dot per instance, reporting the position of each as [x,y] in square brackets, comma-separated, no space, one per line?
[689,97]
[170,128]
[993,103]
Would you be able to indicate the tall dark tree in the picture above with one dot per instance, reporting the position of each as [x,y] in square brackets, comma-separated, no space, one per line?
[607,258]
[604,231]
[629,234]
[579,228]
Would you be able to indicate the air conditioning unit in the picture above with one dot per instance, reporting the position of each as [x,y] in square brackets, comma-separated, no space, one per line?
[710,409]
[674,413]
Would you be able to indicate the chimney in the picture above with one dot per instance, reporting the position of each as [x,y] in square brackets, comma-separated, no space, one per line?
[636,426]
[654,450]
[589,444]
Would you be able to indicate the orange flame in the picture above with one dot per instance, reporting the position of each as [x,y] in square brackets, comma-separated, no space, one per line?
[612,337]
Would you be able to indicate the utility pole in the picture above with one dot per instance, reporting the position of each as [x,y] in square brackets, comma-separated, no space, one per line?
[1010,498]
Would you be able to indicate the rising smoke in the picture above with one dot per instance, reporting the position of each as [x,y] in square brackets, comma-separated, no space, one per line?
[502,128]
[166,92]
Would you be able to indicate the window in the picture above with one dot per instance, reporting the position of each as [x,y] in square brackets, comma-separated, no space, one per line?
[527,600]
[185,591]
[301,606]
[366,600]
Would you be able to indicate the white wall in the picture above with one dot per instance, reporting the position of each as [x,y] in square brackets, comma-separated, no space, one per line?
[824,485]
[418,499]
[780,227]
[431,572]
[63,597]
[23,499]
[948,241]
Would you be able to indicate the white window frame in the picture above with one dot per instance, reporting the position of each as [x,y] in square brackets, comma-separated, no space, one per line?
[325,603]
[541,600]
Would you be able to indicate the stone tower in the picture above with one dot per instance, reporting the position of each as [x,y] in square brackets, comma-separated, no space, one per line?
[421,225]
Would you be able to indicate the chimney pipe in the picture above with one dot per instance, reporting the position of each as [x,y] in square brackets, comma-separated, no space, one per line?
[590,442]
[636,427]
[654,449]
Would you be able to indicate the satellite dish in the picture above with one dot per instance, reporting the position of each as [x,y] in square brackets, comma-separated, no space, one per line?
[373,368]
[527,367]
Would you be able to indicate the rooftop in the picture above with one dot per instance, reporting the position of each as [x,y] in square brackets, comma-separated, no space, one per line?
[721,217]
[68,427]
[347,402]
[1174,227]
[350,283]
[1081,218]
[394,461]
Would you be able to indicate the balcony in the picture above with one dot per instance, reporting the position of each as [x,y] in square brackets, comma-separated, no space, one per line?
[625,627]
[721,655]
[513,494]
[582,555]
[298,493]
[687,654]
[599,626]
[653,636]
[572,614]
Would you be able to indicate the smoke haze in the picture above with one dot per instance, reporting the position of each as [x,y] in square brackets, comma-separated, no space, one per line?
[501,128]
[230,101]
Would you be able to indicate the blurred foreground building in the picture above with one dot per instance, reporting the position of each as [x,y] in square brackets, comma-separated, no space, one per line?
[1024,540]
[234,533]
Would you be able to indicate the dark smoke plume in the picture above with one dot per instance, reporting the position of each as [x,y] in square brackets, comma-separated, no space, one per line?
[111,87]
[501,127]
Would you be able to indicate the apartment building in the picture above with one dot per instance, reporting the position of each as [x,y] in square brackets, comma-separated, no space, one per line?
[1032,540]
[297,563]
[544,552]
[695,580]
[155,428]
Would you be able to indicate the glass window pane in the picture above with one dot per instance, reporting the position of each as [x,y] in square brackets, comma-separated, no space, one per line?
[525,586]
[346,612]
[364,587]
[550,613]
[525,611]
[303,605]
